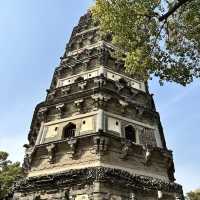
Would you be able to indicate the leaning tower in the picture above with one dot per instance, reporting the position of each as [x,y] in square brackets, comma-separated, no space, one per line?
[97,136]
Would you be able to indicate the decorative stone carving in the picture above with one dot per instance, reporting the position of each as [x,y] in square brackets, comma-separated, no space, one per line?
[51,153]
[104,56]
[110,175]
[54,82]
[71,195]
[85,64]
[28,158]
[32,137]
[140,111]
[134,93]
[82,85]
[133,196]
[101,97]
[148,154]
[87,53]
[160,194]
[119,86]
[72,142]
[78,104]
[170,167]
[59,70]
[60,110]
[100,100]
[51,94]
[125,149]
[72,198]
[124,105]
[65,90]
[100,81]
[42,114]
[100,144]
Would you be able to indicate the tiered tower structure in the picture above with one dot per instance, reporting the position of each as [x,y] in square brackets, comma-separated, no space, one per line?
[97,136]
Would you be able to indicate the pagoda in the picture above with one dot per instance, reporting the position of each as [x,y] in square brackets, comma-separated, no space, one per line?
[97,136]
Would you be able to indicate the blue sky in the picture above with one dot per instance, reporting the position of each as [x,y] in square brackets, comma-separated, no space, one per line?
[33,35]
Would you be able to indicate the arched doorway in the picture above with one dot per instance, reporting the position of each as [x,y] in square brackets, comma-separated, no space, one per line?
[130,133]
[79,79]
[69,131]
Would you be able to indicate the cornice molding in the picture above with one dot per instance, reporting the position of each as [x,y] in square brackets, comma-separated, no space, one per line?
[91,175]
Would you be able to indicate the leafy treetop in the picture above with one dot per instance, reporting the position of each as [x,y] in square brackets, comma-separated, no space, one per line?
[159,37]
[193,195]
[9,172]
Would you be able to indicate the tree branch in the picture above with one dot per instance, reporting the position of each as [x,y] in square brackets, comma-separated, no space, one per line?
[173,9]
[161,28]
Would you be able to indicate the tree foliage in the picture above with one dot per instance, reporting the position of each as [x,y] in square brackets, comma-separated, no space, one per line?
[9,172]
[193,195]
[159,37]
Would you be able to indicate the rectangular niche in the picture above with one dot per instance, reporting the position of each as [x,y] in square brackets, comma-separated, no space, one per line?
[92,74]
[52,131]
[67,82]
[113,76]
[114,125]
[87,125]
[136,85]
[82,197]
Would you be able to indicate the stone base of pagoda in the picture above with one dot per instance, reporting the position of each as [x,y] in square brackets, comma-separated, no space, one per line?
[96,183]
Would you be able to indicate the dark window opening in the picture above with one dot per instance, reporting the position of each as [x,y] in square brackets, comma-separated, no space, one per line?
[79,79]
[98,141]
[123,81]
[69,131]
[130,133]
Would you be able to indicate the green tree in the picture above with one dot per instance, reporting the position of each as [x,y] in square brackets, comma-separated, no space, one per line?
[9,172]
[158,37]
[193,195]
